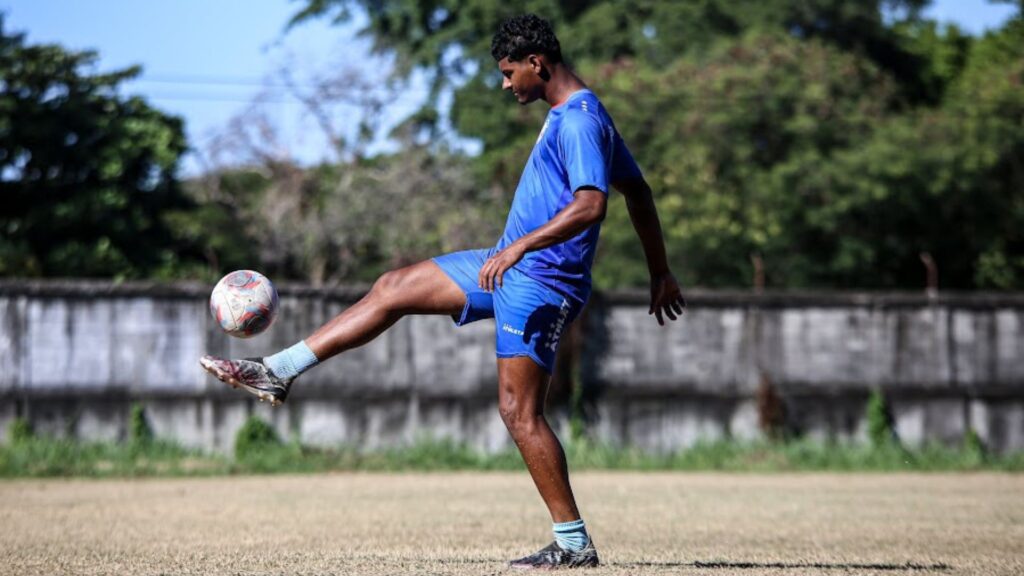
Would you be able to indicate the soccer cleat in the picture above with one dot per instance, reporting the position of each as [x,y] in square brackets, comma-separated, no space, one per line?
[251,375]
[554,556]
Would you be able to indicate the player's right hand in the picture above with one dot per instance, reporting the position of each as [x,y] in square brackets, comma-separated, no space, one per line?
[492,273]
[666,298]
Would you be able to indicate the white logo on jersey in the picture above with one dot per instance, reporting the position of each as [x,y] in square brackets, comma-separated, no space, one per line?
[512,330]
[542,130]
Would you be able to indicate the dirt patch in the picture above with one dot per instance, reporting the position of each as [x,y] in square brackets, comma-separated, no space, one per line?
[471,523]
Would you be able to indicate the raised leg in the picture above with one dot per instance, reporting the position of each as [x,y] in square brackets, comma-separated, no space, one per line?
[422,288]
[522,386]
[418,289]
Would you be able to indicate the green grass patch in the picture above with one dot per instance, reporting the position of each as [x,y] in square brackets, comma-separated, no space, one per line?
[41,457]
[793,455]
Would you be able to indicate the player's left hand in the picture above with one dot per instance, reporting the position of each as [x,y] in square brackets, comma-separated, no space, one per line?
[493,271]
[666,298]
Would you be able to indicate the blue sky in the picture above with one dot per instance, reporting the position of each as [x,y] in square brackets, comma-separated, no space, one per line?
[206,60]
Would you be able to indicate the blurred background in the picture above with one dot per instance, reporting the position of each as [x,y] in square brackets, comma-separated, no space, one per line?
[834,141]
[841,186]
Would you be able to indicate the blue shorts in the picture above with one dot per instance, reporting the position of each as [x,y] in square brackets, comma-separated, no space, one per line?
[529,317]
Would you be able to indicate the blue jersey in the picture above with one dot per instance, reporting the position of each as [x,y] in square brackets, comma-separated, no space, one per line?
[578,147]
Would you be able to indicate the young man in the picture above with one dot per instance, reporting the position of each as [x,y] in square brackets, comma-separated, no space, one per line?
[533,283]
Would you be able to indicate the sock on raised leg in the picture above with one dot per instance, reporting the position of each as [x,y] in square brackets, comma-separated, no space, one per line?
[292,361]
[571,535]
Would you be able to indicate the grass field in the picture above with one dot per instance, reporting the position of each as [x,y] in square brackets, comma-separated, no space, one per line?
[472,522]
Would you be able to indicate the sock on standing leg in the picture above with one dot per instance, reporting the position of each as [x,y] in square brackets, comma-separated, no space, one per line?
[571,535]
[291,362]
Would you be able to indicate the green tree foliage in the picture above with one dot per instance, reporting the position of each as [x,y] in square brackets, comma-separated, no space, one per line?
[339,222]
[445,36]
[736,152]
[810,157]
[836,140]
[450,41]
[986,110]
[85,174]
[948,180]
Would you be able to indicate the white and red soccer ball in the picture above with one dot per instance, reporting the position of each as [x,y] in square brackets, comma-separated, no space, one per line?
[244,303]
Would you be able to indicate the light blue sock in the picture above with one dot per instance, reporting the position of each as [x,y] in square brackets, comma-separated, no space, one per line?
[571,535]
[291,362]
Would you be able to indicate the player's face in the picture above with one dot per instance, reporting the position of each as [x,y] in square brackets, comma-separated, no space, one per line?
[522,78]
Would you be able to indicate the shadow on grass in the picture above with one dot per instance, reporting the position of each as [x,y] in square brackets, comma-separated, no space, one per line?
[908,566]
[738,565]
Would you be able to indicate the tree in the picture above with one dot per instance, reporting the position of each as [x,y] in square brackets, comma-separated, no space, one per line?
[736,145]
[450,41]
[337,221]
[85,174]
[806,156]
[946,180]
[988,103]
[837,141]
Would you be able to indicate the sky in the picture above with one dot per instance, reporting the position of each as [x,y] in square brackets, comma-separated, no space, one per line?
[207,60]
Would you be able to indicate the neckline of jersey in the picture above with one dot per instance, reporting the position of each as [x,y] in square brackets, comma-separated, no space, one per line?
[571,96]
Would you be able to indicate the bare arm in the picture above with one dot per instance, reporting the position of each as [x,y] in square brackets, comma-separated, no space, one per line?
[666,297]
[587,209]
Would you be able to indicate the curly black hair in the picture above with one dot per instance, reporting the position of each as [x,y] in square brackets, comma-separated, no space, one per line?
[520,36]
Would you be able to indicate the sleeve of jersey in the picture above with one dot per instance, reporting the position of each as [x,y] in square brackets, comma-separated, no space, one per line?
[624,167]
[587,149]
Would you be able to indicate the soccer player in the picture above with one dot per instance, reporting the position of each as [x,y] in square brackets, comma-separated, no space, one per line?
[533,282]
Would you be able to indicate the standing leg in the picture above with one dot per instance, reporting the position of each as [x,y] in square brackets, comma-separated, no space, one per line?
[522,386]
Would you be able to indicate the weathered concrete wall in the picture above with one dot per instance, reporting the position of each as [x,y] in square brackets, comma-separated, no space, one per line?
[946,365]
[74,356]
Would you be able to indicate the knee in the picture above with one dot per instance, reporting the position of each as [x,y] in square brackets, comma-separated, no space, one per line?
[388,284]
[519,419]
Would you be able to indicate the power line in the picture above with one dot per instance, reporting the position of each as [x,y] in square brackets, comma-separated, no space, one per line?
[233,83]
[218,80]
[215,98]
[201,79]
[258,98]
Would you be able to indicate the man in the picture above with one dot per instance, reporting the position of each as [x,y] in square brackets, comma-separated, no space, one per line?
[533,283]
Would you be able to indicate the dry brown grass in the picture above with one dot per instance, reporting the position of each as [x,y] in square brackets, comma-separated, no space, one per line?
[470,523]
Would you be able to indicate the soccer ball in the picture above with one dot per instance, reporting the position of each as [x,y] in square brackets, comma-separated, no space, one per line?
[244,303]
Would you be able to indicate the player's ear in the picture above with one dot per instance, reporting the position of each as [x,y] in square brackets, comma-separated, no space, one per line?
[539,66]
[536,62]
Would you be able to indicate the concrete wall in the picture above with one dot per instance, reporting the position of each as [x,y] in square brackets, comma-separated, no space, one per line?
[75,356]
[946,365]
